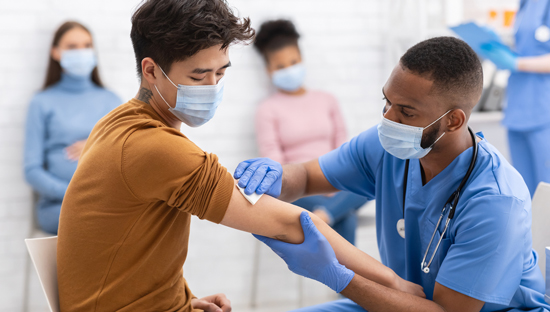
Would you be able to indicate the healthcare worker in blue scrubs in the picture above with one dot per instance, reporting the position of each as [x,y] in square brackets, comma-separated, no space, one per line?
[473,255]
[527,115]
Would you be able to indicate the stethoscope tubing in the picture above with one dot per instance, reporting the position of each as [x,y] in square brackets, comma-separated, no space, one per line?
[452,202]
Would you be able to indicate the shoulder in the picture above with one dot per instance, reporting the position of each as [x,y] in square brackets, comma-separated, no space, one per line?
[108,95]
[269,105]
[497,188]
[43,100]
[151,138]
[323,95]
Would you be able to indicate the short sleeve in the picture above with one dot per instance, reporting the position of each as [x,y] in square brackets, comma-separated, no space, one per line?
[160,164]
[485,261]
[352,166]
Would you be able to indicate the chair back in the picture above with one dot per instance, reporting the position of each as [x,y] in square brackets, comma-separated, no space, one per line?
[540,226]
[43,252]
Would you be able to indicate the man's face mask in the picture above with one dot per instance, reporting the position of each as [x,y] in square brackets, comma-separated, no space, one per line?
[403,141]
[195,105]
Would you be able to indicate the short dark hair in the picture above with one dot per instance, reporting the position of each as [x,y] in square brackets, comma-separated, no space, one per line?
[275,35]
[169,31]
[449,62]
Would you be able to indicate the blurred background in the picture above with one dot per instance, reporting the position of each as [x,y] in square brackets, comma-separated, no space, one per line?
[349,48]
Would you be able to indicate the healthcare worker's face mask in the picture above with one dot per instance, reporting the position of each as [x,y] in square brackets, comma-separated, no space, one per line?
[78,63]
[290,78]
[403,141]
[195,105]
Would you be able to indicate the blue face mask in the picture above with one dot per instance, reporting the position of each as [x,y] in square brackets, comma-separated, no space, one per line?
[78,63]
[195,105]
[403,141]
[290,78]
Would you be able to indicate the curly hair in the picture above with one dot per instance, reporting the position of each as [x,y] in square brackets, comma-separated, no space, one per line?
[275,35]
[449,62]
[169,31]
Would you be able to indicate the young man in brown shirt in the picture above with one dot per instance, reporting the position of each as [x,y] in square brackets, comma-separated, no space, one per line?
[124,224]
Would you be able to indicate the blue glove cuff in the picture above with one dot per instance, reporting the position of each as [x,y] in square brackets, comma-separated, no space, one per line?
[337,277]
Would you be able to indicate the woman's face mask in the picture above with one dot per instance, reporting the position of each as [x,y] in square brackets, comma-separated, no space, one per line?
[78,63]
[290,78]
[195,105]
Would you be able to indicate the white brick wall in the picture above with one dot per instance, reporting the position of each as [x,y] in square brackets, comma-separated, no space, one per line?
[343,47]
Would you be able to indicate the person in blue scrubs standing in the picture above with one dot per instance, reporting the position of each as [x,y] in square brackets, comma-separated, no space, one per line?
[61,117]
[481,258]
[527,115]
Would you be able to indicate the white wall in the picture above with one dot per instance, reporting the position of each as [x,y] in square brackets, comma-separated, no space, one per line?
[342,45]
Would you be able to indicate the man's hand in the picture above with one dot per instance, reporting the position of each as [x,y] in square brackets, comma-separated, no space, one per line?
[214,303]
[314,258]
[260,175]
[74,151]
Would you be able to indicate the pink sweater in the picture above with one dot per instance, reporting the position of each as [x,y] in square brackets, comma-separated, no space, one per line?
[293,129]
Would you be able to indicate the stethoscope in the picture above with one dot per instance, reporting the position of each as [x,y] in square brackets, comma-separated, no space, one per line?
[542,33]
[449,207]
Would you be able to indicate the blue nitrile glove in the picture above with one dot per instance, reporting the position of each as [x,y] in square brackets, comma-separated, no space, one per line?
[500,55]
[314,258]
[260,175]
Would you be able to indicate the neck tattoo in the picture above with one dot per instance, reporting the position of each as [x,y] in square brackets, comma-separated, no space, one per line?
[145,95]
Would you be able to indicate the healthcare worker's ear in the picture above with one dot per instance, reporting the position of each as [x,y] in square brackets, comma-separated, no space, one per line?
[456,120]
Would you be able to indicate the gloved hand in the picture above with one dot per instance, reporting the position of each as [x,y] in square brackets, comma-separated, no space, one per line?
[260,175]
[500,55]
[314,258]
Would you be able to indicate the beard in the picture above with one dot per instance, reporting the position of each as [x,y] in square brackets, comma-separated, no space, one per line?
[429,137]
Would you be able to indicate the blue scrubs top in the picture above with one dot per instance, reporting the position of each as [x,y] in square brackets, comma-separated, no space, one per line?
[486,252]
[529,93]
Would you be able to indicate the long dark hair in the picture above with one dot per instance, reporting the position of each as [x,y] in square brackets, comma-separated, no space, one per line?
[53,74]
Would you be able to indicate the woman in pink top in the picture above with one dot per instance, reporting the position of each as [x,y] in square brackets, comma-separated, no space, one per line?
[296,124]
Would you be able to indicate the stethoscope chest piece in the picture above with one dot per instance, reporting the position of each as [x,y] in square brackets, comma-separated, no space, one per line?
[401,227]
[542,34]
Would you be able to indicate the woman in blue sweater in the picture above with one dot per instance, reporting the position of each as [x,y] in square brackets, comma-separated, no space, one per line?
[61,117]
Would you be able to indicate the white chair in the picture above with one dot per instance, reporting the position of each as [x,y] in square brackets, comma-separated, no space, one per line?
[43,252]
[547,295]
[540,227]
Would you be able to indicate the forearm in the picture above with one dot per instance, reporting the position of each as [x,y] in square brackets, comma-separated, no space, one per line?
[355,259]
[535,64]
[374,297]
[294,182]
[45,183]
[276,219]
[304,179]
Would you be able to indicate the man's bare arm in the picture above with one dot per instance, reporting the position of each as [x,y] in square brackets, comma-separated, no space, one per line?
[276,219]
[374,297]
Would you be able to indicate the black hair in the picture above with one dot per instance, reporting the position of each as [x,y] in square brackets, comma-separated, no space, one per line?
[449,62]
[169,31]
[275,35]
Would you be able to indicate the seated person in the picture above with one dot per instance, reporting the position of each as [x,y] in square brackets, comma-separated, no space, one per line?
[476,255]
[61,117]
[124,227]
[296,124]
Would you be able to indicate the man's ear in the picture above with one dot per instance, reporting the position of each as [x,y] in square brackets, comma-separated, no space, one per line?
[457,118]
[148,70]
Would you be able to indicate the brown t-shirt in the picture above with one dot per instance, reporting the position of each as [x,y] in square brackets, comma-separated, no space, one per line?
[125,218]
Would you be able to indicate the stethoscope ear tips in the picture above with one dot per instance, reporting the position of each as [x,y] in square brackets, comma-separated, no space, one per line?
[426,270]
